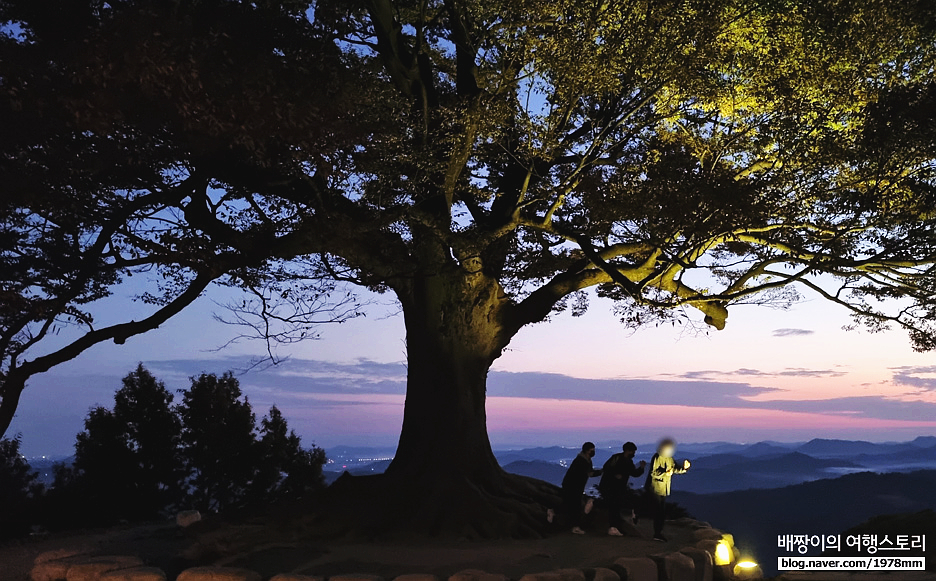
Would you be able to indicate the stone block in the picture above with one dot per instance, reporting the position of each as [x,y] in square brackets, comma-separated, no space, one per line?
[675,567]
[356,577]
[557,575]
[187,518]
[702,560]
[218,574]
[706,534]
[601,574]
[416,577]
[477,575]
[135,574]
[638,568]
[91,568]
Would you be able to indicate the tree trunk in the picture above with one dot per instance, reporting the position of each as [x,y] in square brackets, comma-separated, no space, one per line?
[444,477]
[453,335]
[10,392]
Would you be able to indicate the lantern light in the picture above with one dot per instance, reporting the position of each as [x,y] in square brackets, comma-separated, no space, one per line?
[747,570]
[722,553]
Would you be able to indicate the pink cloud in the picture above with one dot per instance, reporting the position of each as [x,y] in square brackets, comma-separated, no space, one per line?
[360,414]
[508,413]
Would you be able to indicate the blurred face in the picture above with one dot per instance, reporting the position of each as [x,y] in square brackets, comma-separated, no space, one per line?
[630,453]
[590,453]
[667,451]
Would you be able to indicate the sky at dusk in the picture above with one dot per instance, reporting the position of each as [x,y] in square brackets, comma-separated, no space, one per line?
[771,374]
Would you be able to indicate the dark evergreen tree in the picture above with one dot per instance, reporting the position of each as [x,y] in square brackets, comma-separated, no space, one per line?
[285,468]
[65,503]
[219,445]
[143,407]
[106,469]
[127,459]
[18,489]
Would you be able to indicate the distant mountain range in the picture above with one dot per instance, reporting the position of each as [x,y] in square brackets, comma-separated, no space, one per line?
[45,466]
[729,472]
[828,506]
[717,466]
[762,490]
[826,448]
[548,471]
[907,523]
[723,467]
[550,454]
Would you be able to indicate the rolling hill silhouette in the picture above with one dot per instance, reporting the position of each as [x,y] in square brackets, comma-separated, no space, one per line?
[828,506]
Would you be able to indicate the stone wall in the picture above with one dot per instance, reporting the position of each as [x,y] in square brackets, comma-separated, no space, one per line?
[701,562]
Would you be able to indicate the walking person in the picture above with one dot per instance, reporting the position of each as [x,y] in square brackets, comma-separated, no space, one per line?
[573,487]
[615,475]
[659,480]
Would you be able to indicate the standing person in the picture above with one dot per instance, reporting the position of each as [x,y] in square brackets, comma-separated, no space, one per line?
[662,468]
[615,475]
[573,486]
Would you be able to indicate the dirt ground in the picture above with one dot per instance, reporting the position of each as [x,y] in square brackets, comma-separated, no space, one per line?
[513,558]
[172,549]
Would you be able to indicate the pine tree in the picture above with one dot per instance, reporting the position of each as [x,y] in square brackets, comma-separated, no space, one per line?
[143,406]
[18,489]
[285,468]
[219,445]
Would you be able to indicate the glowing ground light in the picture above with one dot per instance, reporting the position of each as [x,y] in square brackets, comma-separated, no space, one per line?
[747,570]
[722,553]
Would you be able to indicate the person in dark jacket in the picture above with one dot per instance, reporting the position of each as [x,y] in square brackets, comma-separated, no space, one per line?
[659,479]
[615,475]
[573,486]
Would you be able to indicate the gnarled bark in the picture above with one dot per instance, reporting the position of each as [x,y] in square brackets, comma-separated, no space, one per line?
[444,478]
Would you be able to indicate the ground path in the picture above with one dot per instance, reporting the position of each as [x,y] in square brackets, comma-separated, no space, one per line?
[172,549]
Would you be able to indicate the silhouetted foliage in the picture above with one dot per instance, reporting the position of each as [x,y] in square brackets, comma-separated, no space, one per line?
[64,505]
[219,447]
[127,459]
[228,460]
[284,467]
[146,458]
[18,490]
[105,462]
[144,407]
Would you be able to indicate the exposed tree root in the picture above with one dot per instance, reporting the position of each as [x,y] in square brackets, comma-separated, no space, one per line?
[506,506]
[385,507]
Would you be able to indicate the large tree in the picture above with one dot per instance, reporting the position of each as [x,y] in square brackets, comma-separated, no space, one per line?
[488,162]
